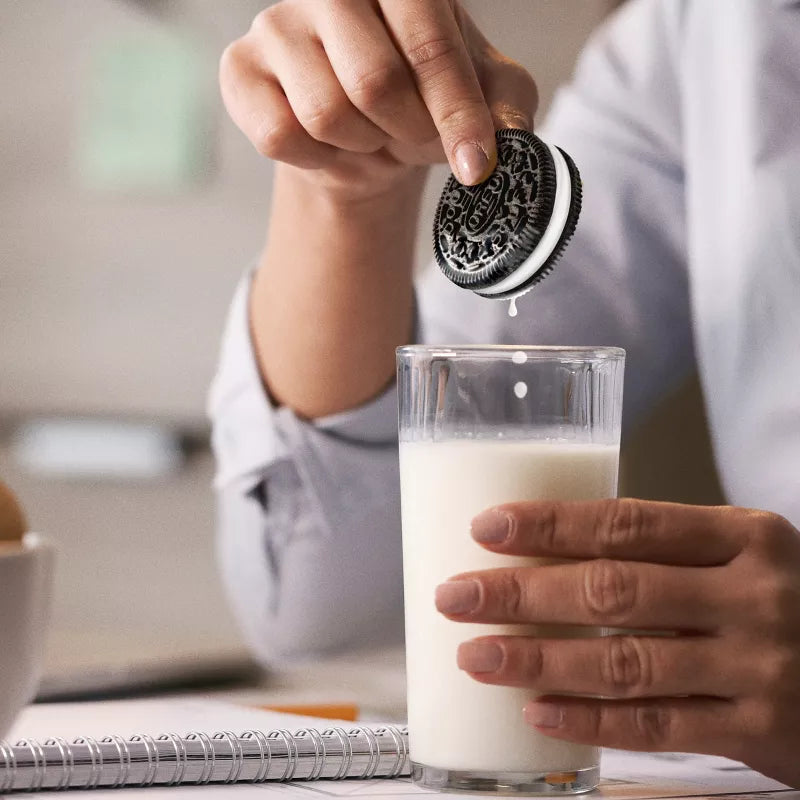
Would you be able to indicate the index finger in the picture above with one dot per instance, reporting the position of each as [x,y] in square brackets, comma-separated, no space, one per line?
[631,530]
[428,37]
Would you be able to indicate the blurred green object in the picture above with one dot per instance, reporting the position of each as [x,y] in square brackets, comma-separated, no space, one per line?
[147,116]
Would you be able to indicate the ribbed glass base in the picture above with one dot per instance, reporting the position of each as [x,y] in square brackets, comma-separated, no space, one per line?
[509,783]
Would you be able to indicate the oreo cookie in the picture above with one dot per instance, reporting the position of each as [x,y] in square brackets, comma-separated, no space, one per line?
[502,237]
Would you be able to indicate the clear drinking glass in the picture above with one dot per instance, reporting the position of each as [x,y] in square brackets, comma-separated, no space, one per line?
[480,426]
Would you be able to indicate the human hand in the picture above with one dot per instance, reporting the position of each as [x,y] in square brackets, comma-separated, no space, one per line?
[361,91]
[725,581]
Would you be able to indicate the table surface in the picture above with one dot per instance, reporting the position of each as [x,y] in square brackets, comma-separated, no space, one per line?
[372,680]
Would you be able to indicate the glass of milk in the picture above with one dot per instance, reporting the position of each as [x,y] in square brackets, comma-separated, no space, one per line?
[480,426]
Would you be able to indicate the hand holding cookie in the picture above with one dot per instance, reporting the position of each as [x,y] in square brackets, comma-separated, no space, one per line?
[359,93]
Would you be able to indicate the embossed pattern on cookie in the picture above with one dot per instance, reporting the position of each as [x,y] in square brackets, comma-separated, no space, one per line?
[503,236]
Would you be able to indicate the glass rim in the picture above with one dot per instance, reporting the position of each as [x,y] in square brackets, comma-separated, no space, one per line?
[533,352]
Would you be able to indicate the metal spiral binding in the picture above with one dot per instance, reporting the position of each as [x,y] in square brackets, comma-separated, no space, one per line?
[10,766]
[124,757]
[151,749]
[400,748]
[347,752]
[208,753]
[67,761]
[374,752]
[180,757]
[237,755]
[320,753]
[39,762]
[96,755]
[291,752]
[199,758]
[265,754]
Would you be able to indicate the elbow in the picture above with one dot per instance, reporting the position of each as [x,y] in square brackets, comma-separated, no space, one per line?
[274,643]
[318,612]
[278,639]
[298,594]
[293,633]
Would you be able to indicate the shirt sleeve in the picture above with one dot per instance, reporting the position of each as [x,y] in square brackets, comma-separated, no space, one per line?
[309,528]
[308,512]
[623,280]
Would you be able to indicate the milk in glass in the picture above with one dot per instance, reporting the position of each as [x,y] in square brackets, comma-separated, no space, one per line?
[455,722]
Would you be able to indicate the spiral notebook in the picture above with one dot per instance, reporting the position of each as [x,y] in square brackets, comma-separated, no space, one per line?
[291,751]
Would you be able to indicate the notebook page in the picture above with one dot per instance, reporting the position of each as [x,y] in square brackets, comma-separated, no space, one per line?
[151,716]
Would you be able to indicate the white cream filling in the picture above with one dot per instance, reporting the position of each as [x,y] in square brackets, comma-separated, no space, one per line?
[552,234]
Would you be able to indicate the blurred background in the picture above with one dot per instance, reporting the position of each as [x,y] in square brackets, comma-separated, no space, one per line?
[130,206]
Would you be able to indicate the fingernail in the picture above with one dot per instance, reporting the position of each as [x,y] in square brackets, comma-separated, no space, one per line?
[479,656]
[457,597]
[472,163]
[491,527]
[543,715]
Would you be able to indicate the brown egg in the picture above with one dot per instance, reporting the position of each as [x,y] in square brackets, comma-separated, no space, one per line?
[12,520]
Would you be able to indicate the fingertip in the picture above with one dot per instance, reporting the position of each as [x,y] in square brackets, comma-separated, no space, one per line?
[457,596]
[492,527]
[544,715]
[473,162]
[479,656]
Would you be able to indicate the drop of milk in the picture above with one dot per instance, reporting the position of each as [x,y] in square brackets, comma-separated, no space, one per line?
[519,357]
[520,389]
[512,307]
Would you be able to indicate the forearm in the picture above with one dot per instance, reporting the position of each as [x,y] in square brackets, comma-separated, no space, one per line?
[333,295]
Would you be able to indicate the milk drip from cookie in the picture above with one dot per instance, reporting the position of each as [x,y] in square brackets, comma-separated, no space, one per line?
[500,238]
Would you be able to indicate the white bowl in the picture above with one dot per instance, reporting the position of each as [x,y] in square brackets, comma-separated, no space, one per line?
[26,587]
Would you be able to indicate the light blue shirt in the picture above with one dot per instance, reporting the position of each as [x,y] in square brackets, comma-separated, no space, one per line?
[684,119]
